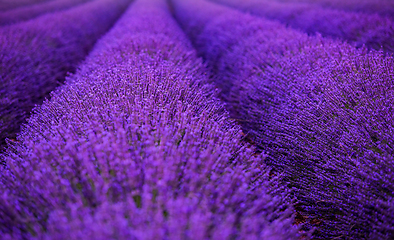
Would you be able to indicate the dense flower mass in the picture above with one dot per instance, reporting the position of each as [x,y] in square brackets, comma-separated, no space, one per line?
[382,7]
[371,30]
[136,145]
[11,4]
[281,130]
[29,12]
[322,109]
[36,56]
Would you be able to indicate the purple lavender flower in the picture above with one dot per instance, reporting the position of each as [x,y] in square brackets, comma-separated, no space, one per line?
[37,55]
[321,108]
[136,145]
[371,30]
[11,4]
[382,7]
[29,12]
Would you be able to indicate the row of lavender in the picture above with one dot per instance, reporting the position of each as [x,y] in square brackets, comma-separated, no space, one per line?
[28,12]
[136,145]
[321,108]
[382,7]
[371,30]
[36,56]
[12,4]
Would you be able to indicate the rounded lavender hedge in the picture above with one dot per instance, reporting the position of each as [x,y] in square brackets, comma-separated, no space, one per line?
[382,7]
[373,31]
[38,54]
[28,12]
[11,4]
[136,145]
[320,108]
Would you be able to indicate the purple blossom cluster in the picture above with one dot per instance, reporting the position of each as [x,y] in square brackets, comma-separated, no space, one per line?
[137,145]
[29,12]
[36,55]
[12,4]
[382,7]
[371,30]
[322,109]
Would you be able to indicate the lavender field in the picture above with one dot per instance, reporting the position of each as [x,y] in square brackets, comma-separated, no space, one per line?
[196,119]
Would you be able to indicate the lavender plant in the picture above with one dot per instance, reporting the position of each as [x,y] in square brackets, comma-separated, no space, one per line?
[321,108]
[371,30]
[29,12]
[36,55]
[382,7]
[136,145]
[12,4]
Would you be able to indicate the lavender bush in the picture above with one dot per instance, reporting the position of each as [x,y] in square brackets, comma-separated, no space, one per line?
[136,145]
[382,7]
[373,31]
[321,108]
[12,4]
[36,55]
[29,12]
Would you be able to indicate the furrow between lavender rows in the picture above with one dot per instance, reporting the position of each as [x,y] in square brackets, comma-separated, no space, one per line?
[320,108]
[371,30]
[37,55]
[137,145]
